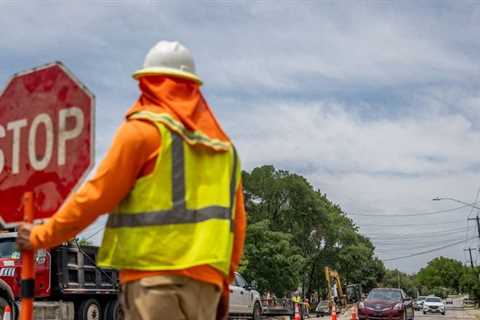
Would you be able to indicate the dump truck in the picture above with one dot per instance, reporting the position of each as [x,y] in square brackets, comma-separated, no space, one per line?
[68,284]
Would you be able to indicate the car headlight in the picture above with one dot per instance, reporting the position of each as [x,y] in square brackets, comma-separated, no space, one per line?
[398,306]
[361,305]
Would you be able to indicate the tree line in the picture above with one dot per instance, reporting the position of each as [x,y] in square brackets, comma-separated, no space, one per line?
[440,277]
[294,231]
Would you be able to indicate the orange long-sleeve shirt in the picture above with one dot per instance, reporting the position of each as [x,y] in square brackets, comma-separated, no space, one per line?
[132,155]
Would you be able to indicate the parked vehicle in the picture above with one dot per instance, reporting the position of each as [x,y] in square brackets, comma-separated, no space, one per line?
[434,305]
[419,303]
[354,293]
[386,303]
[468,301]
[322,309]
[67,283]
[244,299]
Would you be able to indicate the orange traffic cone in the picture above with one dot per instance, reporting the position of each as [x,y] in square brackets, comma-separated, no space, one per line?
[354,313]
[7,313]
[297,315]
[334,313]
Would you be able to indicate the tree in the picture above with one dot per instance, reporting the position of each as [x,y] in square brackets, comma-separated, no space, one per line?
[469,282]
[398,279]
[318,229]
[271,259]
[83,242]
[439,273]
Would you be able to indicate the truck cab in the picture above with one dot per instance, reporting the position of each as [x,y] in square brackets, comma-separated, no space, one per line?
[244,299]
[68,284]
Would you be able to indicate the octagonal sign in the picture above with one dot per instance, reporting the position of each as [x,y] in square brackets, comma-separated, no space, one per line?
[46,140]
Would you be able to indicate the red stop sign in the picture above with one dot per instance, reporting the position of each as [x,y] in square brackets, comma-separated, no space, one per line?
[46,140]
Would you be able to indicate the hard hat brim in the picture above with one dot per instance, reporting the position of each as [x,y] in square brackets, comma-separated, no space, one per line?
[155,71]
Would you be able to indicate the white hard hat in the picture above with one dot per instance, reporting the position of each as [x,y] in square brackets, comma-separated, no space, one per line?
[169,58]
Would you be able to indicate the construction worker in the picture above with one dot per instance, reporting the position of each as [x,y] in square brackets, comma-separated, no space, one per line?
[171,181]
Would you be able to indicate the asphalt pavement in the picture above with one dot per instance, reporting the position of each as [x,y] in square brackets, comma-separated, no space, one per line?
[460,314]
[450,315]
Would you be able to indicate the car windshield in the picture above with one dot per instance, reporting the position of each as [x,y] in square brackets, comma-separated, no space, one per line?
[8,249]
[433,299]
[389,295]
[421,298]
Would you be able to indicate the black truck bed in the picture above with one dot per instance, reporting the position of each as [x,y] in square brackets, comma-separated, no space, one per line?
[74,272]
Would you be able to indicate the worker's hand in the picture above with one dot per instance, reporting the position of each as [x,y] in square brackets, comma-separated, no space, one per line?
[23,237]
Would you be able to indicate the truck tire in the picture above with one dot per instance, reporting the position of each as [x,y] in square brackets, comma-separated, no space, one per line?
[3,304]
[113,310]
[257,311]
[88,310]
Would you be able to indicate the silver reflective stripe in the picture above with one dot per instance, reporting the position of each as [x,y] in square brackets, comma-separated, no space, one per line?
[167,217]
[233,189]
[179,213]
[178,172]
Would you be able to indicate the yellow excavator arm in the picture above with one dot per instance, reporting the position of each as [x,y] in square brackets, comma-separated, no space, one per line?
[332,277]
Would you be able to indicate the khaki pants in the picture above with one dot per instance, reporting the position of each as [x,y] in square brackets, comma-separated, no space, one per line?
[170,298]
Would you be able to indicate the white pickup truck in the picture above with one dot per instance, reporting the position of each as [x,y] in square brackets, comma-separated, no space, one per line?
[244,300]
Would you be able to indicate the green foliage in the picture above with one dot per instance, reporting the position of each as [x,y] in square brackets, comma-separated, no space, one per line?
[272,256]
[397,279]
[469,282]
[284,208]
[83,242]
[441,273]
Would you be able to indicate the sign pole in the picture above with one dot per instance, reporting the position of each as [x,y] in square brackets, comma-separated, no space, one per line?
[28,272]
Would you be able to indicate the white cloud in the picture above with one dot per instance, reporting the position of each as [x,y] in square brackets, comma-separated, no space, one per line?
[385,166]
[326,135]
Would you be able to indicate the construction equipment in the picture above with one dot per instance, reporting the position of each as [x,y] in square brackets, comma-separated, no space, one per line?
[335,290]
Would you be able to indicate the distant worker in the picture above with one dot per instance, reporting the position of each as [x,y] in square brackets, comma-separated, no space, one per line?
[171,181]
[335,291]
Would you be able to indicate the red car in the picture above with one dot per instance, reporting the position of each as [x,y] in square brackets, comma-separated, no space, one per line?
[386,304]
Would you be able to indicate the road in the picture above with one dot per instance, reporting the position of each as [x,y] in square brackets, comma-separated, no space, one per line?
[450,315]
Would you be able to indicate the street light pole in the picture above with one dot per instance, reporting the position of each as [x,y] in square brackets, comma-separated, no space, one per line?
[473,205]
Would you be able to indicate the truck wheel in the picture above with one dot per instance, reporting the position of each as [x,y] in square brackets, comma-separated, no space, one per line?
[88,310]
[257,311]
[113,310]
[3,304]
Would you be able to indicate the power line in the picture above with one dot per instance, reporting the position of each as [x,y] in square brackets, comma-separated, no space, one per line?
[418,239]
[408,224]
[94,233]
[399,215]
[424,252]
[423,243]
[421,232]
[420,246]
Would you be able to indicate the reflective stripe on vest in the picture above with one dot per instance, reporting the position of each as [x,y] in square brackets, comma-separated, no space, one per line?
[196,137]
[179,213]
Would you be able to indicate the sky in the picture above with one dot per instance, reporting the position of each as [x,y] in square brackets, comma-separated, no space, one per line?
[376,103]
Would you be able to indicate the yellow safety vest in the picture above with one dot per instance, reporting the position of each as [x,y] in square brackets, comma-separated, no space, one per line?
[182,214]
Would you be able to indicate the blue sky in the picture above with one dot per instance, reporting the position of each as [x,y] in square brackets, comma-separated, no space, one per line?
[376,103]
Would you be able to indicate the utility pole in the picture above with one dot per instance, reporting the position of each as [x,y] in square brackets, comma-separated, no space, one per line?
[477,218]
[471,258]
